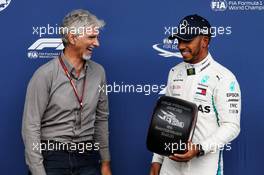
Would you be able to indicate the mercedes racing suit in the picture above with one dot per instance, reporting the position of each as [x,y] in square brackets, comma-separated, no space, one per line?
[215,91]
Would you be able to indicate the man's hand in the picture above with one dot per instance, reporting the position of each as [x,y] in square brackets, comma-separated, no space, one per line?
[155,168]
[192,151]
[106,168]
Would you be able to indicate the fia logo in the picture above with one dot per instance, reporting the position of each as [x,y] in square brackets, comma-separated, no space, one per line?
[168,48]
[45,48]
[219,5]
[33,54]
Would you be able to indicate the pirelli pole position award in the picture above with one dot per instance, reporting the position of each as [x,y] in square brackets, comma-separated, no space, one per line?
[172,126]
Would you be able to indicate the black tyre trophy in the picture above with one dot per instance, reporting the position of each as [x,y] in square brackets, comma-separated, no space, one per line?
[172,125]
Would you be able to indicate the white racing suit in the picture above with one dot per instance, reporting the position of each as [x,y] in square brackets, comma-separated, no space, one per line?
[215,91]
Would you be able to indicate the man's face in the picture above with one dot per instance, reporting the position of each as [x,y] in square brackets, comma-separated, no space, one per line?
[85,43]
[191,50]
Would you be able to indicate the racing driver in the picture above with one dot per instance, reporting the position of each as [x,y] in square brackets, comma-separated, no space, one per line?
[215,91]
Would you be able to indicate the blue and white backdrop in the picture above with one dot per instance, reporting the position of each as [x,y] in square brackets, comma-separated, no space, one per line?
[133,52]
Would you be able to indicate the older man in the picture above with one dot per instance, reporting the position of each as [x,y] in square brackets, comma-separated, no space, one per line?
[65,121]
[215,90]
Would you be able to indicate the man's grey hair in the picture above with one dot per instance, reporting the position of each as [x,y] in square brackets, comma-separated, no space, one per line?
[77,21]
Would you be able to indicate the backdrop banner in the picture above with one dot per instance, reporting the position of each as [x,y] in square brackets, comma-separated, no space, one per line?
[137,57]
